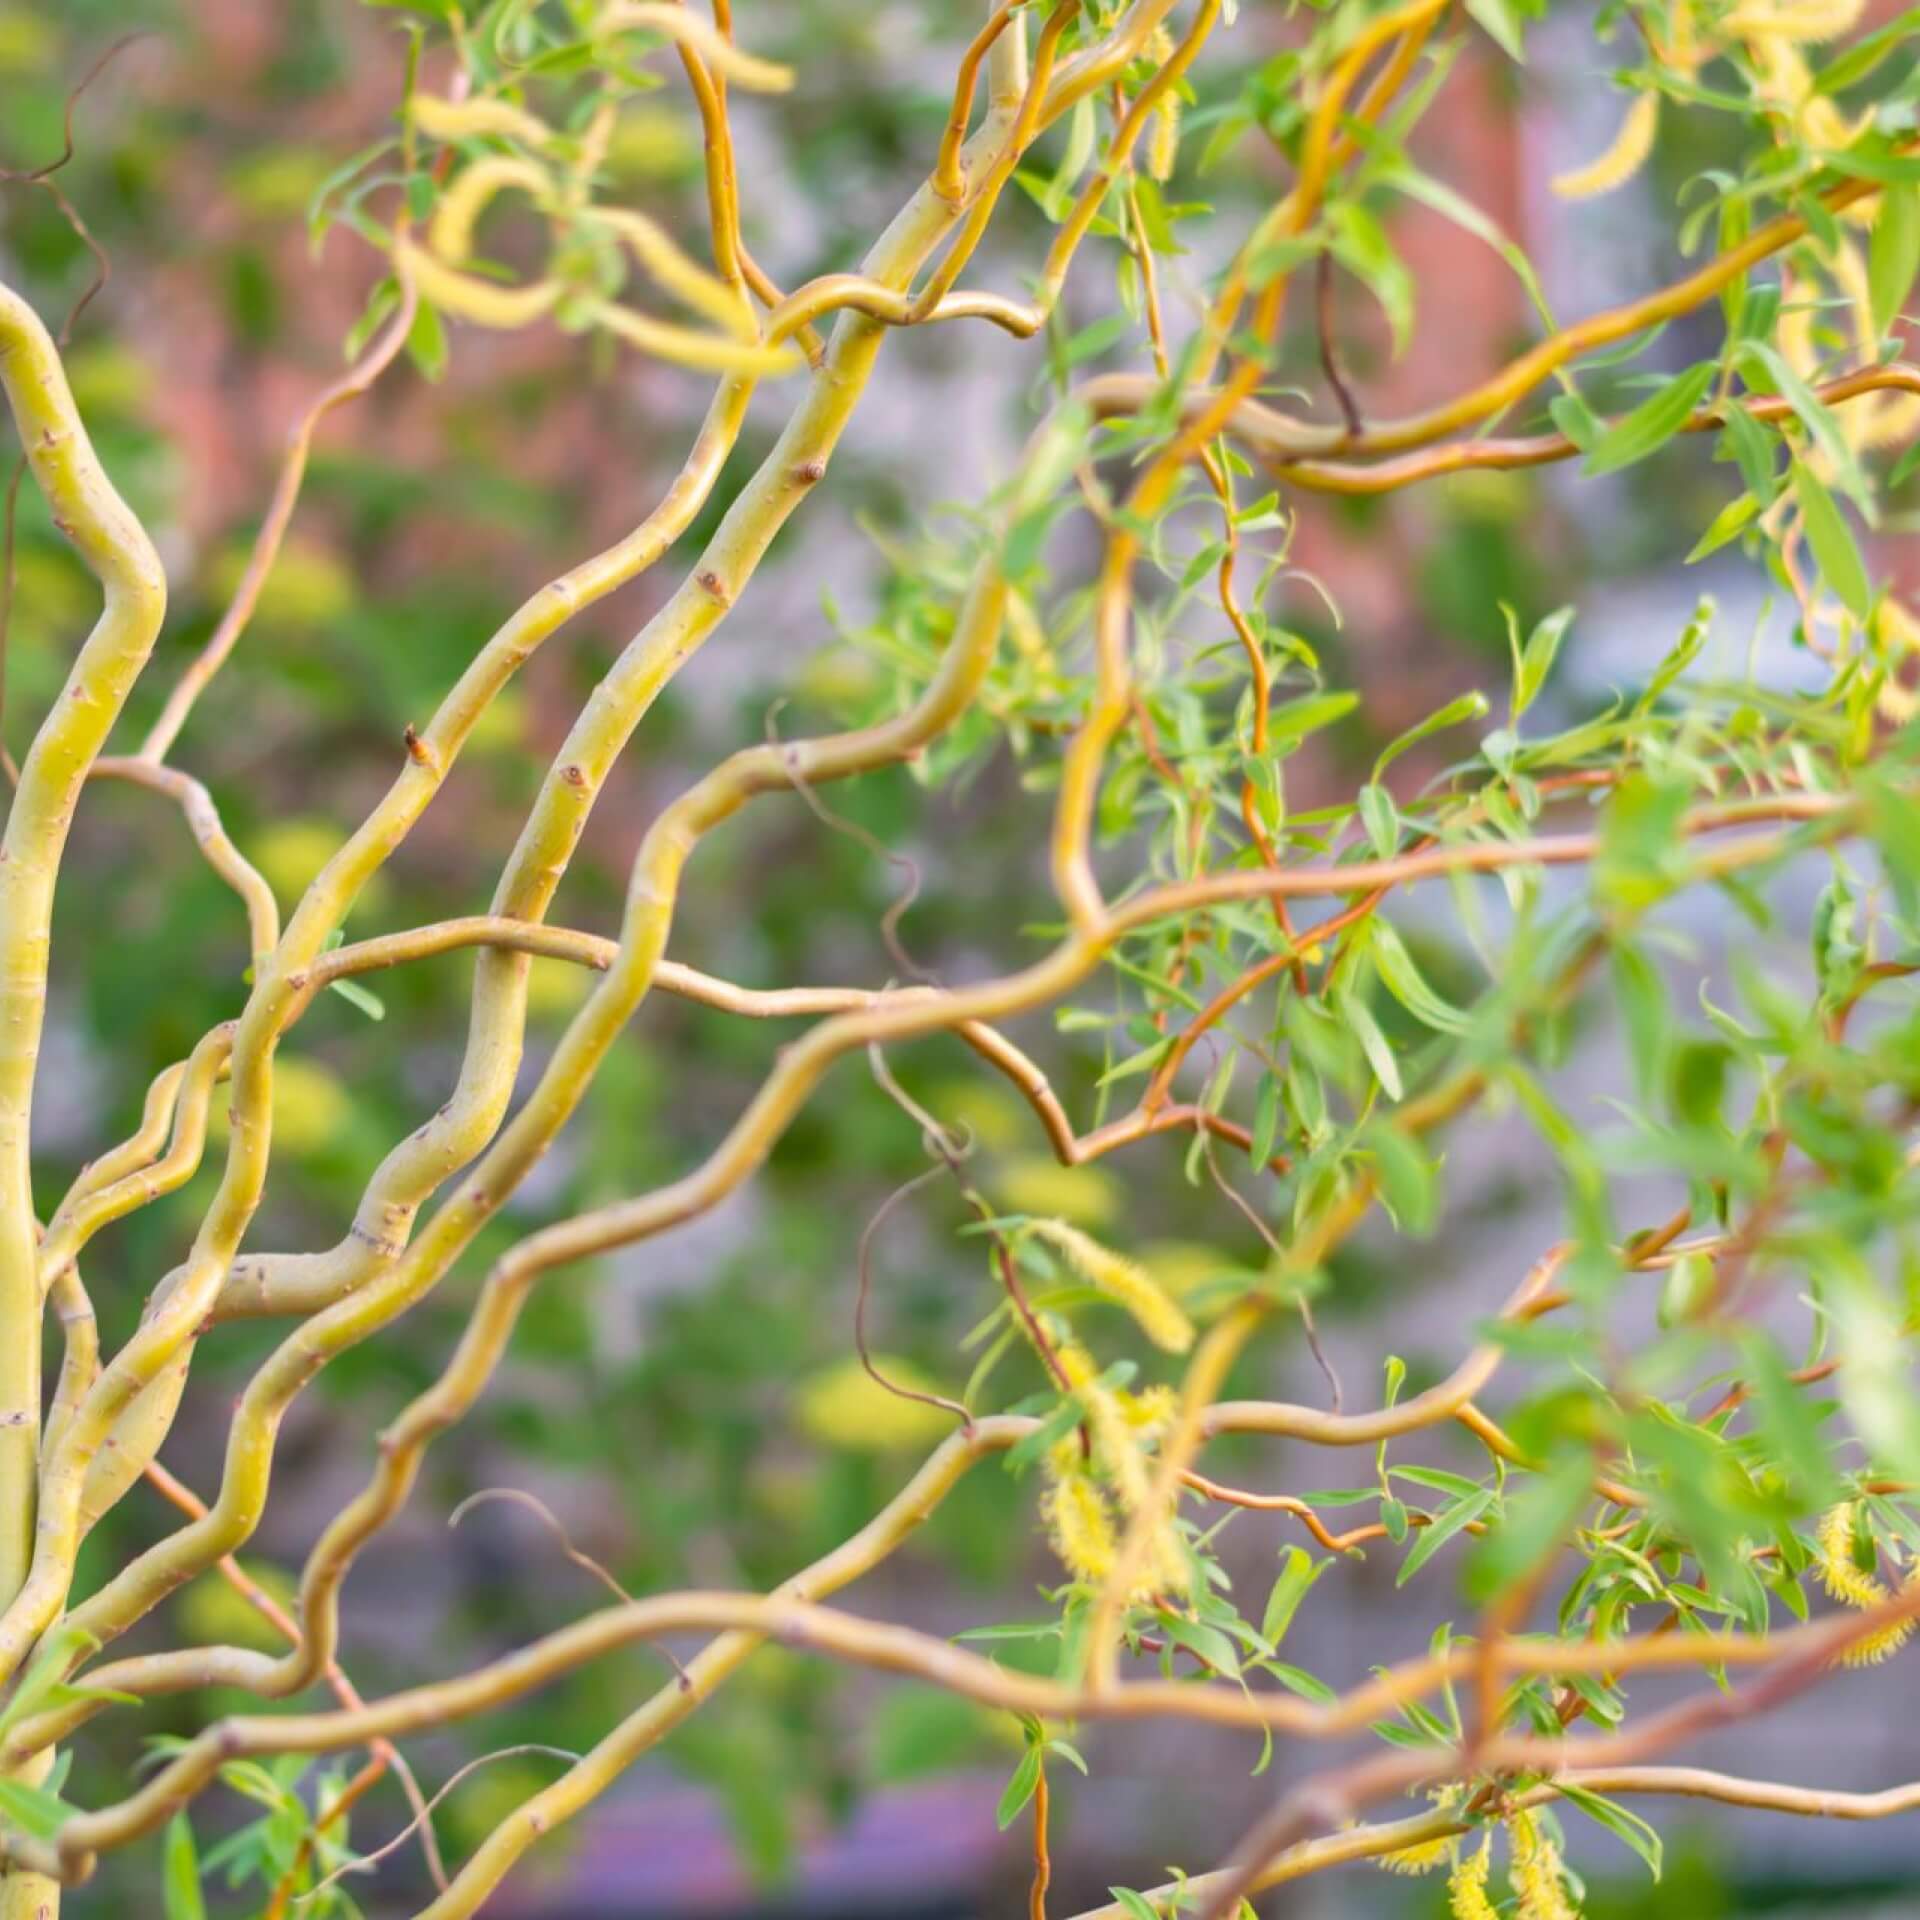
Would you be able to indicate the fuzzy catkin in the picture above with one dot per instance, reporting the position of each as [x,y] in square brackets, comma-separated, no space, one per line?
[1855,1587]
[1467,1896]
[1535,1874]
[1125,1282]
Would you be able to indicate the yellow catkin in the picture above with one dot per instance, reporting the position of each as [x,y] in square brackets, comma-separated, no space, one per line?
[480,301]
[457,119]
[1622,160]
[1422,1857]
[454,219]
[1078,1365]
[1080,1526]
[1853,1585]
[1895,626]
[692,346]
[1123,1281]
[1785,83]
[1884,1642]
[700,37]
[1795,20]
[659,255]
[1118,1450]
[1878,419]
[1896,631]
[1163,142]
[1839,1573]
[1151,1411]
[1116,1431]
[1116,1447]
[1467,1897]
[1535,1874]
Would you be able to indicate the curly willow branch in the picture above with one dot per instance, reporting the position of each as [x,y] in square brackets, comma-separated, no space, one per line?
[109,1417]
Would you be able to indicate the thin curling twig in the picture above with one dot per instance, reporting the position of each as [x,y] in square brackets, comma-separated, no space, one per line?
[42,177]
[384,1752]
[1183,851]
[351,385]
[519,1497]
[904,864]
[863,1292]
[422,1819]
[1329,353]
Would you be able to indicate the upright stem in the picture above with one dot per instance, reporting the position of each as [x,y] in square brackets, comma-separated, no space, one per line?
[88,511]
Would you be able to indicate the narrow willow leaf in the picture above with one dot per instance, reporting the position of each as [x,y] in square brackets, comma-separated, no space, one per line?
[1019,1789]
[1813,413]
[34,1810]
[1298,1571]
[1576,420]
[1625,1826]
[1456,1484]
[1755,451]
[356,995]
[427,341]
[63,1647]
[1872,158]
[1435,1535]
[1030,1447]
[1309,1686]
[1386,1069]
[1291,722]
[1082,130]
[1469,706]
[1361,245]
[1646,1013]
[1787,1420]
[1404,178]
[1684,651]
[181,1884]
[1381,819]
[1505,22]
[1409,1182]
[1534,661]
[1536,1520]
[1652,423]
[1266,1121]
[1408,985]
[1205,1643]
[1874,1382]
[380,302]
[1893,255]
[1831,539]
[1640,843]
[1728,524]
[1851,67]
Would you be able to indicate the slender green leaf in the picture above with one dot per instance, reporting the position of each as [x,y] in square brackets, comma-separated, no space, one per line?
[1893,255]
[1652,423]
[1404,980]
[180,1883]
[1432,1537]
[1019,1789]
[1832,542]
[1298,1571]
[1468,706]
[1618,1821]
[1728,524]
